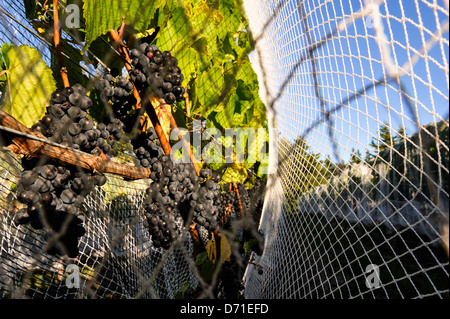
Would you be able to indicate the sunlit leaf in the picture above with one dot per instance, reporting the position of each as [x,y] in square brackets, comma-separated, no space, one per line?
[30,85]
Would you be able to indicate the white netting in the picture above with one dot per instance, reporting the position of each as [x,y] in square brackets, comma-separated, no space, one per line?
[359,96]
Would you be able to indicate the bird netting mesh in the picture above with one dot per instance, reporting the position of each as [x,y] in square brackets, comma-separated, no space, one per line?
[356,94]
[359,95]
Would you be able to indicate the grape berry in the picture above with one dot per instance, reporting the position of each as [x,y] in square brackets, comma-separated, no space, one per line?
[157,71]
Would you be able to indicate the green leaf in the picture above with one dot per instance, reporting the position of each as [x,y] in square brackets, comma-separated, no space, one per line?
[243,91]
[102,16]
[248,75]
[226,113]
[4,53]
[207,270]
[201,258]
[210,89]
[30,85]
[188,60]
[169,37]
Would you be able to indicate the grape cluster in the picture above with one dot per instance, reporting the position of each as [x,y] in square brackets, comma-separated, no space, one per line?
[158,71]
[206,201]
[230,204]
[165,194]
[176,191]
[116,93]
[147,149]
[251,199]
[66,123]
[51,193]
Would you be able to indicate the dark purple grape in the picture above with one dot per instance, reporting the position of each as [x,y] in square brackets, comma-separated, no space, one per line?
[75,98]
[170,98]
[58,97]
[68,196]
[75,129]
[48,171]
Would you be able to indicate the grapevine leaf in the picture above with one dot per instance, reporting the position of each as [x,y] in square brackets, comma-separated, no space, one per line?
[102,16]
[226,113]
[207,270]
[30,85]
[238,119]
[168,37]
[248,75]
[211,249]
[201,258]
[231,15]
[211,87]
[187,60]
[225,249]
[4,53]
[243,91]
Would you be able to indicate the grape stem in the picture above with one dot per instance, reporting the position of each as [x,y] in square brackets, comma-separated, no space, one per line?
[32,144]
[56,38]
[141,101]
[186,98]
[186,144]
[236,189]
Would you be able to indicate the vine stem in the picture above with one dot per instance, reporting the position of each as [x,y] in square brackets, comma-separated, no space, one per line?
[124,52]
[150,110]
[236,189]
[186,144]
[186,98]
[56,39]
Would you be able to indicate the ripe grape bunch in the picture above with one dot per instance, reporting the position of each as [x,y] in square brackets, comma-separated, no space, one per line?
[176,192]
[163,196]
[158,71]
[206,201]
[51,193]
[116,93]
[66,123]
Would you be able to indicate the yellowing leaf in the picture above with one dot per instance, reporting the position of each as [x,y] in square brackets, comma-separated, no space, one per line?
[30,85]
[225,249]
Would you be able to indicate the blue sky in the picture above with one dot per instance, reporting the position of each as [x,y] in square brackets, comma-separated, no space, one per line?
[350,61]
